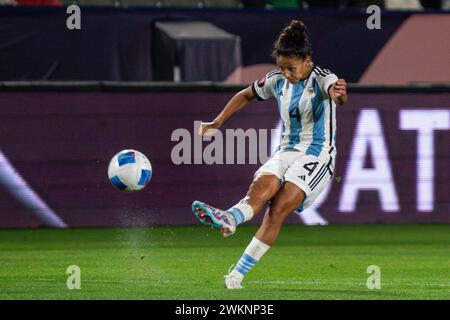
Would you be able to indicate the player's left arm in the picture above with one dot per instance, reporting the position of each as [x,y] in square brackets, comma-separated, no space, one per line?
[338,92]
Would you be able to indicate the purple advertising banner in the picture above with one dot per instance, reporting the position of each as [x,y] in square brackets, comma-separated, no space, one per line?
[392,165]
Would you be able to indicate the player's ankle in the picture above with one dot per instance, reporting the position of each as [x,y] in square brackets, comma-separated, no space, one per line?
[237,274]
[232,218]
[241,212]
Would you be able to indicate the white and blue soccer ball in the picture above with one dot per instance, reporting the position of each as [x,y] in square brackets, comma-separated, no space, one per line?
[129,171]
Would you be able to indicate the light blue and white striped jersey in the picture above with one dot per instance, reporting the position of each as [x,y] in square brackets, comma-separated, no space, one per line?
[307,111]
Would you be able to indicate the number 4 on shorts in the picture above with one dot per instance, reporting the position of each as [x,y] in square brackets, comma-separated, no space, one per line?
[311,166]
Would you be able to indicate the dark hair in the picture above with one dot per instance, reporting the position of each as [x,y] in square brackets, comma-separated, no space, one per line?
[293,41]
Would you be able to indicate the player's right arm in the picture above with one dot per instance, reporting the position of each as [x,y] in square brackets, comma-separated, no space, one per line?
[261,89]
[237,103]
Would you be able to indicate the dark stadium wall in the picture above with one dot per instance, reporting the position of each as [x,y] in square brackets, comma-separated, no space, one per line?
[412,55]
[392,164]
[116,44]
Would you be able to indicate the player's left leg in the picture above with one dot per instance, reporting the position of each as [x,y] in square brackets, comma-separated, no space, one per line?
[285,202]
[305,180]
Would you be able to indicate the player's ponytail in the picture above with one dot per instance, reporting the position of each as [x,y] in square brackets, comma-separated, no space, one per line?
[293,41]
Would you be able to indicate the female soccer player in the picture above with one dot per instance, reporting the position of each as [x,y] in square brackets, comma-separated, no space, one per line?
[303,164]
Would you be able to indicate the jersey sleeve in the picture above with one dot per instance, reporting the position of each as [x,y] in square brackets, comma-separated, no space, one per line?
[264,88]
[325,78]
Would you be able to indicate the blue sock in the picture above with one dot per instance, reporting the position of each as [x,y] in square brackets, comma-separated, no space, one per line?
[237,214]
[245,264]
[254,251]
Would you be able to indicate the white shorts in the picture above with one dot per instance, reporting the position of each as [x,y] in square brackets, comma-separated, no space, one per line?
[308,172]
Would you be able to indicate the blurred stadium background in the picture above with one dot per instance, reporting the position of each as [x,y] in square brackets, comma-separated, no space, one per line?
[67,96]
[138,70]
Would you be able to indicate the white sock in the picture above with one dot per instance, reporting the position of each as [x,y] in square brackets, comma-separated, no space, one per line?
[254,251]
[241,212]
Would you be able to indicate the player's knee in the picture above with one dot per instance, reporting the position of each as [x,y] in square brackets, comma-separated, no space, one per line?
[277,214]
[280,210]
[264,187]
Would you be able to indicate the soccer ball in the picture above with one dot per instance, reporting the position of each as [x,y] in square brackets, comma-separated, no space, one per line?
[129,171]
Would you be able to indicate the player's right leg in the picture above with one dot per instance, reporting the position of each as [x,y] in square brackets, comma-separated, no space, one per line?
[262,189]
[265,185]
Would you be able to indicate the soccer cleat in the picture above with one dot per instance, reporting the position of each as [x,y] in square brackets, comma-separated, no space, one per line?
[217,219]
[233,281]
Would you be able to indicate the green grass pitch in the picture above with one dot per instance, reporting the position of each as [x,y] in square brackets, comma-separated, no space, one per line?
[328,262]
